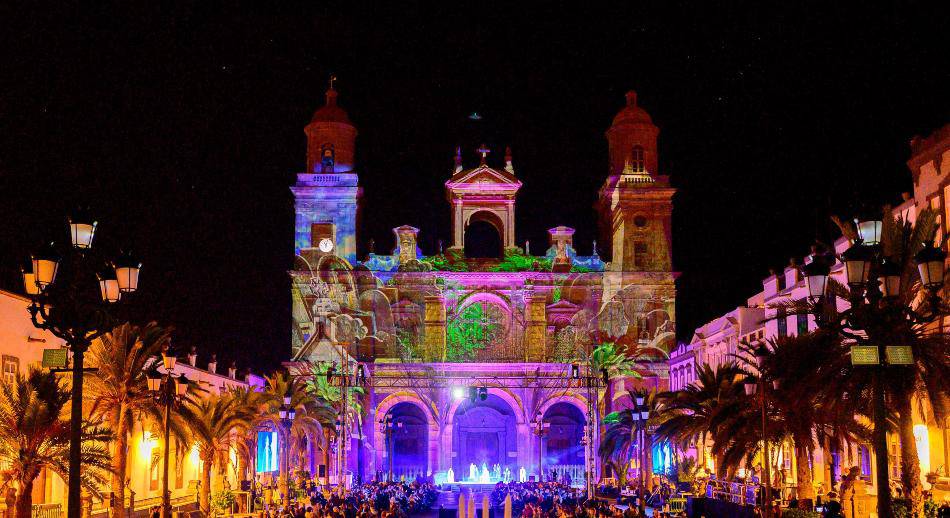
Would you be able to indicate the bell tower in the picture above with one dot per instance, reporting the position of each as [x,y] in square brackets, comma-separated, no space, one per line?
[326,195]
[635,201]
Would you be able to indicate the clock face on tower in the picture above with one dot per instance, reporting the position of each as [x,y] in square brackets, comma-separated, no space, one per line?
[326,246]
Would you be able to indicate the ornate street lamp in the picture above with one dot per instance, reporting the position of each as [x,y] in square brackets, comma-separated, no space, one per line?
[82,228]
[77,310]
[877,320]
[857,264]
[869,231]
[127,272]
[930,264]
[169,389]
[109,286]
[816,277]
[46,266]
[889,277]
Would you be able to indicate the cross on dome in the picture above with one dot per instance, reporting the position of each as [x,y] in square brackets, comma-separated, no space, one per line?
[483,149]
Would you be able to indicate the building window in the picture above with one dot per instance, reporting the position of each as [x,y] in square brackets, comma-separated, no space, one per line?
[802,321]
[865,462]
[11,366]
[782,322]
[636,159]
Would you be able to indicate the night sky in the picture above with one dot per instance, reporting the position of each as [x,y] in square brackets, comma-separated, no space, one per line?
[182,127]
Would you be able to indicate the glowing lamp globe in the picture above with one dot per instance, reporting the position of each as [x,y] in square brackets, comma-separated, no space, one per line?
[181,386]
[282,412]
[109,286]
[287,400]
[749,386]
[154,383]
[930,264]
[869,231]
[29,280]
[82,229]
[857,264]
[816,278]
[640,399]
[458,392]
[645,414]
[169,361]
[127,270]
[889,276]
[45,266]
[291,414]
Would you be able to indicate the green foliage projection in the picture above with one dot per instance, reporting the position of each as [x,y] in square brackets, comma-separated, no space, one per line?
[474,329]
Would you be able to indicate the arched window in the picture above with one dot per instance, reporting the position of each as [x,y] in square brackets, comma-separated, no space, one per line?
[637,161]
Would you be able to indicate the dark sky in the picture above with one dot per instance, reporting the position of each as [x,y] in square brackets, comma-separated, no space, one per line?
[182,126]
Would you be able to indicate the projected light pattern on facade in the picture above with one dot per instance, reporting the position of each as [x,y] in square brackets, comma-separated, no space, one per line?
[440,315]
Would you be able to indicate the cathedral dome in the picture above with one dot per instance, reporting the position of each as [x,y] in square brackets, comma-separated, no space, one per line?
[330,112]
[631,113]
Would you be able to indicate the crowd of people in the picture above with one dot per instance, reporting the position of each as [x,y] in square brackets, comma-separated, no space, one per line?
[375,500]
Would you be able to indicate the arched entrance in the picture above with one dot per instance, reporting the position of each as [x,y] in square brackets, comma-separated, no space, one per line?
[484,236]
[561,447]
[484,434]
[408,442]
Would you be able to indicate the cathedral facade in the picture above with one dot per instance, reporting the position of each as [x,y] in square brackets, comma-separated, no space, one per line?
[479,362]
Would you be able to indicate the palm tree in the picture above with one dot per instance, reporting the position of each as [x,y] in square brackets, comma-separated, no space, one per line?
[616,445]
[34,435]
[689,416]
[119,393]
[331,397]
[217,423]
[257,401]
[311,414]
[810,400]
[901,240]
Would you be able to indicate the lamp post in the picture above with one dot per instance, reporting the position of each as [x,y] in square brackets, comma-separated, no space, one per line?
[286,414]
[77,310]
[170,389]
[591,383]
[541,429]
[641,416]
[877,320]
[390,426]
[751,386]
[346,379]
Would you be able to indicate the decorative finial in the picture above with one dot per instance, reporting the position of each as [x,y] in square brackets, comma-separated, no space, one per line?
[458,159]
[483,149]
[331,92]
[594,246]
[632,98]
[508,166]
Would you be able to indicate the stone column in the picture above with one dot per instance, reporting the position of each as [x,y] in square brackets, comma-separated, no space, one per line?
[458,224]
[406,241]
[534,333]
[526,450]
[434,340]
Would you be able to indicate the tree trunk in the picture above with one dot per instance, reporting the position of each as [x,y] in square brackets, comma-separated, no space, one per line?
[910,464]
[204,495]
[119,459]
[806,490]
[24,501]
